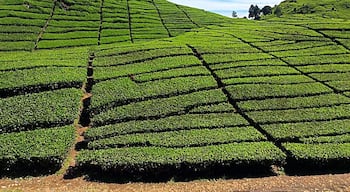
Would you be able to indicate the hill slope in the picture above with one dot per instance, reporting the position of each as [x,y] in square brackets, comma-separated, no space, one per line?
[321,8]
[34,24]
[216,100]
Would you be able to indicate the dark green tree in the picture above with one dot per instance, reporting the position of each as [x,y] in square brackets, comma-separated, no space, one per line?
[254,12]
[266,10]
[234,14]
[278,11]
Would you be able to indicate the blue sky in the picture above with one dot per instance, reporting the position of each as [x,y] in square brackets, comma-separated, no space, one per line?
[225,7]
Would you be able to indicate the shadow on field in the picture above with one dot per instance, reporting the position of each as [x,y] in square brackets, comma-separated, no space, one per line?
[166,174]
[313,167]
[25,168]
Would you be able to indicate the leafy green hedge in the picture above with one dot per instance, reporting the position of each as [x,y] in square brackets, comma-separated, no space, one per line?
[331,76]
[284,45]
[183,138]
[261,91]
[172,73]
[320,153]
[256,71]
[327,68]
[41,76]
[318,59]
[45,109]
[214,108]
[124,89]
[220,58]
[39,151]
[238,64]
[278,79]
[342,85]
[328,139]
[49,44]
[331,49]
[160,64]
[115,59]
[160,107]
[312,114]
[135,158]
[73,57]
[287,131]
[297,102]
[182,122]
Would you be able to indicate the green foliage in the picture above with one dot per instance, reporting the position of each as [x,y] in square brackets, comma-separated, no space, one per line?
[139,56]
[37,110]
[278,79]
[124,89]
[312,114]
[285,131]
[319,152]
[154,157]
[319,68]
[297,102]
[30,147]
[325,50]
[74,57]
[159,104]
[181,122]
[256,71]
[220,58]
[161,107]
[343,85]
[318,59]
[328,139]
[184,138]
[331,76]
[46,44]
[321,8]
[261,91]
[158,67]
[213,108]
[266,10]
[21,78]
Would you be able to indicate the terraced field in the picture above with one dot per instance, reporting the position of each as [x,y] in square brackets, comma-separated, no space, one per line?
[48,24]
[165,90]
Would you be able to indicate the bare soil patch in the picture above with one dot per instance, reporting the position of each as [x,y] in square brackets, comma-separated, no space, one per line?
[339,182]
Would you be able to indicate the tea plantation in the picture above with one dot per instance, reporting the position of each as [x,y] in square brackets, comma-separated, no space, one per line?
[154,88]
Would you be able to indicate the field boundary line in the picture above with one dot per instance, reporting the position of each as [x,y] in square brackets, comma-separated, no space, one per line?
[129,19]
[43,29]
[82,124]
[101,22]
[187,15]
[161,18]
[333,39]
[235,105]
[290,65]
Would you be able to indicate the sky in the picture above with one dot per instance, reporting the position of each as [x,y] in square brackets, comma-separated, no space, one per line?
[225,7]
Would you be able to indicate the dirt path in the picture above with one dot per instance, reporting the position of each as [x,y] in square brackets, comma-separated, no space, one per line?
[340,182]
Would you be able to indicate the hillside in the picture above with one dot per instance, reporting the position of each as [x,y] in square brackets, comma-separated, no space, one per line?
[51,24]
[321,8]
[156,91]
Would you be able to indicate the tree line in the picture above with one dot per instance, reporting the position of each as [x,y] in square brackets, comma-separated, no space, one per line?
[255,12]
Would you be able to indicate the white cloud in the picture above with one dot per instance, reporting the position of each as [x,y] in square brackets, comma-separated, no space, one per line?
[226,6]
